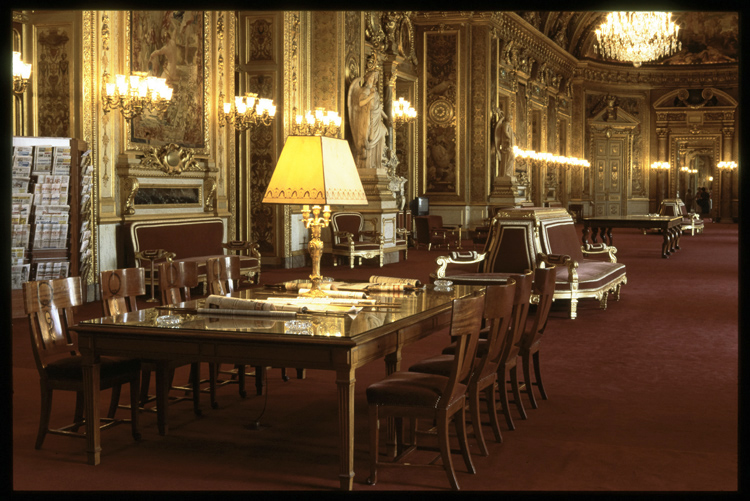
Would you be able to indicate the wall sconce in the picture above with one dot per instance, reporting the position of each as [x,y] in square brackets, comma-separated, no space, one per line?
[319,123]
[247,111]
[132,95]
[730,166]
[21,74]
[403,112]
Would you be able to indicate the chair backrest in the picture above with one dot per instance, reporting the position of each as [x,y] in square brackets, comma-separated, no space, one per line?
[498,314]
[352,222]
[544,287]
[521,303]
[49,306]
[119,289]
[176,278]
[403,220]
[466,322]
[222,273]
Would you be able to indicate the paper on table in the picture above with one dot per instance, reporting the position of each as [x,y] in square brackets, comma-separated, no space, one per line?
[234,303]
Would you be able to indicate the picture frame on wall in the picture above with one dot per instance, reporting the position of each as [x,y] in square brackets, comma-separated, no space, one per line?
[170,44]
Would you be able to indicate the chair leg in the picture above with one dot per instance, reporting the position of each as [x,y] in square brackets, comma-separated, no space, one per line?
[134,410]
[44,416]
[476,420]
[527,378]
[489,396]
[351,261]
[241,380]
[114,401]
[538,374]
[504,403]
[374,440]
[195,382]
[145,382]
[460,422]
[445,450]
[213,374]
[516,391]
[78,415]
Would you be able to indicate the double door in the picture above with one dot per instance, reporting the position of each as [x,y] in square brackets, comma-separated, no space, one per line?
[608,183]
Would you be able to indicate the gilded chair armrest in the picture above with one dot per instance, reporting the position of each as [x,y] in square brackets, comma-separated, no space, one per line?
[374,235]
[600,248]
[562,260]
[240,245]
[344,235]
[457,258]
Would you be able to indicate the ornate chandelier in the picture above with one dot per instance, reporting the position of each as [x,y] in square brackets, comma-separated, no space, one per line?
[136,93]
[638,36]
[318,123]
[247,111]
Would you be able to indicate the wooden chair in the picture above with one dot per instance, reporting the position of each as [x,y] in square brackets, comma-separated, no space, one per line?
[431,231]
[544,289]
[49,305]
[437,398]
[403,231]
[222,278]
[498,309]
[119,290]
[350,239]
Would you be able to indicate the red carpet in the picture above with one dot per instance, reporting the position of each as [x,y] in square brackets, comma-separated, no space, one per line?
[642,397]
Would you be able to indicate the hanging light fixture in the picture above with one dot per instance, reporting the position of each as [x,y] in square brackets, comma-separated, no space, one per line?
[134,94]
[637,37]
[247,111]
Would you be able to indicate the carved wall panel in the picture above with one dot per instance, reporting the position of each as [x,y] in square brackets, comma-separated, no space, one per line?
[441,149]
[479,119]
[54,69]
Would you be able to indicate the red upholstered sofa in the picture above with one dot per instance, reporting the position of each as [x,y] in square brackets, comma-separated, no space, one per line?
[192,239]
[526,238]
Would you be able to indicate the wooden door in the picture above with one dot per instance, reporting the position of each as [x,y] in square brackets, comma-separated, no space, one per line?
[608,186]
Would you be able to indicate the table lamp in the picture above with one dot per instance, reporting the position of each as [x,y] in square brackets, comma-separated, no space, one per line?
[318,171]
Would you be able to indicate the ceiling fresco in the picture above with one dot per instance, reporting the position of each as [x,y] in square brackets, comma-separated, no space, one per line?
[707,37]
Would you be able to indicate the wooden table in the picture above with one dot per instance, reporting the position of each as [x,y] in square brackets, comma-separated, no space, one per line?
[338,343]
[670,227]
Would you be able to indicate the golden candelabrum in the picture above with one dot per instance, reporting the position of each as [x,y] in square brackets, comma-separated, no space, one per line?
[247,111]
[403,112]
[135,94]
[21,74]
[315,222]
[317,123]
[638,37]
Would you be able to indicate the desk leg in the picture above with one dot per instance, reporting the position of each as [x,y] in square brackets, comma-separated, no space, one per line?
[91,392]
[593,234]
[585,236]
[345,381]
[163,384]
[666,243]
[677,234]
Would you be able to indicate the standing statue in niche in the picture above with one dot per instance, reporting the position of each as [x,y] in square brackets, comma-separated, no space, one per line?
[366,119]
[504,142]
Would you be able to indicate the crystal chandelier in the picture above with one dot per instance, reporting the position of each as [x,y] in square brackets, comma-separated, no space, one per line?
[136,93]
[247,111]
[638,36]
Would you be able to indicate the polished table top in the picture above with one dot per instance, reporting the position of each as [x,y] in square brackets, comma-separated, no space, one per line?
[334,325]
[631,217]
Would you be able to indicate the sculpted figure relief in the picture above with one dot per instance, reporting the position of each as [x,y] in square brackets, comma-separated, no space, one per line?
[504,142]
[366,119]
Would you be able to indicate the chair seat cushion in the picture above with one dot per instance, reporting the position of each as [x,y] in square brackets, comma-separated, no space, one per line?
[410,389]
[358,246]
[70,368]
[439,364]
[592,274]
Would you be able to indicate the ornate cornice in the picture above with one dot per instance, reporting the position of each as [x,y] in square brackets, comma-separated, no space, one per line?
[682,77]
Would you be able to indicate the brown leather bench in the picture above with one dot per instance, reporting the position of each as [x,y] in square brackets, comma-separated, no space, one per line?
[191,239]
[527,238]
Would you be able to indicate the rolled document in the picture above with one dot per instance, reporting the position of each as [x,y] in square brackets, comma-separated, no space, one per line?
[214,302]
[259,313]
[340,294]
[375,279]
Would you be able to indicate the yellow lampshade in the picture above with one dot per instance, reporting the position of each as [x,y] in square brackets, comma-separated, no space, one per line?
[315,170]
